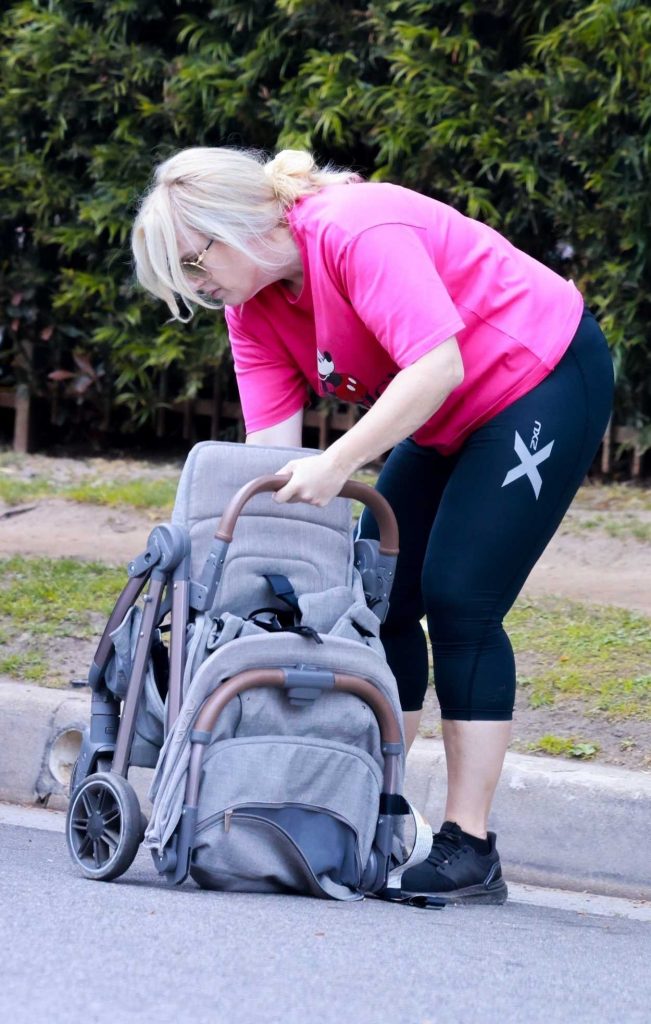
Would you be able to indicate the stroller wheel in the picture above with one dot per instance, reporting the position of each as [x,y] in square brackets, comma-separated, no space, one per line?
[103,826]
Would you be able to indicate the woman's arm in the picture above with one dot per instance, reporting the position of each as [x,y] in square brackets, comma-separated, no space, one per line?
[412,397]
[288,434]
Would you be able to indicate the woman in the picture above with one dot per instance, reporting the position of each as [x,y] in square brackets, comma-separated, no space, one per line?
[481,371]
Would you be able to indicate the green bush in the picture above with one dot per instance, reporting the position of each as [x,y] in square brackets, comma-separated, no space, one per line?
[532,116]
[84,116]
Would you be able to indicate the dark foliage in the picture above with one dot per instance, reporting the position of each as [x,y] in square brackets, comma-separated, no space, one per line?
[532,116]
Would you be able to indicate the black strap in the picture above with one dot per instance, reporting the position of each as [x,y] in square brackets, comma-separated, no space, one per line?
[274,612]
[393,803]
[306,631]
[363,632]
[421,899]
[283,590]
[276,624]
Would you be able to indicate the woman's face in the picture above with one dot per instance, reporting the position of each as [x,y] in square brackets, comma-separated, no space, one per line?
[226,274]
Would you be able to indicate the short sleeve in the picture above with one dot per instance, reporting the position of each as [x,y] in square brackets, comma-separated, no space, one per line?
[394,287]
[271,386]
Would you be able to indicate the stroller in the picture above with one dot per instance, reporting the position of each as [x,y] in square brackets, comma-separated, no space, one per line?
[251,677]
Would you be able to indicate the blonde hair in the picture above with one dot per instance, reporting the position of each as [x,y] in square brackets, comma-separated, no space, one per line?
[235,196]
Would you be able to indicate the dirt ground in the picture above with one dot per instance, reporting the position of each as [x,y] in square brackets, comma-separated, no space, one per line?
[583,565]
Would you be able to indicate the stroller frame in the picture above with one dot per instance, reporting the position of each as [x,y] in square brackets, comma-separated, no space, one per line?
[105,826]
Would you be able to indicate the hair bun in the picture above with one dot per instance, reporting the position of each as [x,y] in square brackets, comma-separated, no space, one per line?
[290,162]
[289,172]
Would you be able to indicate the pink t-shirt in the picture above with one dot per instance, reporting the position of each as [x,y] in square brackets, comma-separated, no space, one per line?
[390,274]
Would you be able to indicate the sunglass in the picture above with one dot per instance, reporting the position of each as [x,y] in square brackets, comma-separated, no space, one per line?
[194,269]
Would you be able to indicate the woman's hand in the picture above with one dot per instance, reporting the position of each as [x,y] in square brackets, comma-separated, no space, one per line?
[412,397]
[315,480]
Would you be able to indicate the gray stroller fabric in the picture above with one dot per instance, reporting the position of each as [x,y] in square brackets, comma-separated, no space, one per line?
[311,546]
[150,718]
[289,797]
[341,716]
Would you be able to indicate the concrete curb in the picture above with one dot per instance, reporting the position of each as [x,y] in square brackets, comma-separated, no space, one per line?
[559,824]
[39,735]
[37,742]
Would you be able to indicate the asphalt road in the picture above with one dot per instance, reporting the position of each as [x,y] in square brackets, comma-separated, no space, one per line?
[75,952]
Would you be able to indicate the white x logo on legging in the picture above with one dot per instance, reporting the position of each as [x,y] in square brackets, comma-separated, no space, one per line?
[528,464]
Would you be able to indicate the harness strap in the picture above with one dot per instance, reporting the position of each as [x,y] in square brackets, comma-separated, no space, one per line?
[276,625]
[283,590]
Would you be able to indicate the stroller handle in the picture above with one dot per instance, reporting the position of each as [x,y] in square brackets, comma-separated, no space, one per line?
[378,505]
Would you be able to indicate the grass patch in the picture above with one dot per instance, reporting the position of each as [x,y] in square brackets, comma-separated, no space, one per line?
[629,528]
[559,746]
[623,526]
[598,655]
[366,476]
[50,596]
[46,598]
[613,498]
[138,493]
[30,666]
[15,491]
[363,476]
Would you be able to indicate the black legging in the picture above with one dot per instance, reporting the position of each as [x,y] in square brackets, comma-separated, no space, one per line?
[473,524]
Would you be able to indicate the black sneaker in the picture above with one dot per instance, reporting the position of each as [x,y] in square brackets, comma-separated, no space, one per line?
[456,872]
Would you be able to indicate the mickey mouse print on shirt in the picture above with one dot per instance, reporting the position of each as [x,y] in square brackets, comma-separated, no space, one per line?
[341,385]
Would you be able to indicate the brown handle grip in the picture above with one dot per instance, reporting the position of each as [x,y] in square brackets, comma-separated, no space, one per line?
[378,505]
[215,703]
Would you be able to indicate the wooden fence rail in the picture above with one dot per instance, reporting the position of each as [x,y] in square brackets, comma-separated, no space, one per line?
[614,438]
[19,400]
[322,425]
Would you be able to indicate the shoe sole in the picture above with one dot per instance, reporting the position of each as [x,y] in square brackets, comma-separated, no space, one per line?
[472,894]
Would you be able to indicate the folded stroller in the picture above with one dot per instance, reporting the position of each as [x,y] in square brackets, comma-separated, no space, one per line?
[242,662]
